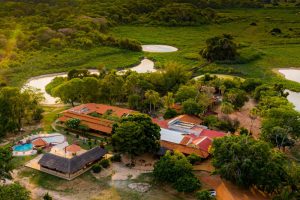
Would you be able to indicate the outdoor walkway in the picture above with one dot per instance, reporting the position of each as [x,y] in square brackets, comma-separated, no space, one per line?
[34,162]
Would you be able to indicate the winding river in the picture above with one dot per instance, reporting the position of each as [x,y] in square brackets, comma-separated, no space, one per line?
[146,66]
[293,75]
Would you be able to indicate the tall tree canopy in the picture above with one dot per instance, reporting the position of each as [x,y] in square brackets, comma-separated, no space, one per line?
[220,48]
[176,169]
[18,106]
[135,135]
[248,162]
[5,163]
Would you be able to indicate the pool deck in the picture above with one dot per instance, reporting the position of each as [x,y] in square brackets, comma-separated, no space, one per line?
[34,137]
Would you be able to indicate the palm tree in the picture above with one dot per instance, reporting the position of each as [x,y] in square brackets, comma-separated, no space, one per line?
[153,98]
[168,100]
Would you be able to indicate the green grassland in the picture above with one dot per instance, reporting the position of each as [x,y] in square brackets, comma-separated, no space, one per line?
[260,50]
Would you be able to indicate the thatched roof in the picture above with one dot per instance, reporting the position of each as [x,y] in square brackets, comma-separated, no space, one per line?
[74,164]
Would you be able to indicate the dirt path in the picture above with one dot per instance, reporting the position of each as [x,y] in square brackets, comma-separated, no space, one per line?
[244,117]
[36,192]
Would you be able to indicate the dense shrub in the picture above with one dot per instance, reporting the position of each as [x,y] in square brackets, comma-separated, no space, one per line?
[204,195]
[187,183]
[73,123]
[276,31]
[175,168]
[170,113]
[14,192]
[193,158]
[104,163]
[47,197]
[116,158]
[96,168]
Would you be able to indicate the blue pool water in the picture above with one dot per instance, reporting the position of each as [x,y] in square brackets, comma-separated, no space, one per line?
[23,147]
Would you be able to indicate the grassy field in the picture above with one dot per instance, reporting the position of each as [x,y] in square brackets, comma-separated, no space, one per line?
[259,49]
[52,61]
[262,50]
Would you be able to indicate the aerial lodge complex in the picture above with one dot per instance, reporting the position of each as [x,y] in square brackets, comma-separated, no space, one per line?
[183,133]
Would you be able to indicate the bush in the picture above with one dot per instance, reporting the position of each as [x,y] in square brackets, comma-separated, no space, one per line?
[47,197]
[244,131]
[191,107]
[96,168]
[276,31]
[187,183]
[204,195]
[193,158]
[39,150]
[14,191]
[116,158]
[73,123]
[170,113]
[104,163]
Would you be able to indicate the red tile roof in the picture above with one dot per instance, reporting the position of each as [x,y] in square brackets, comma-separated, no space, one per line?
[202,143]
[161,123]
[102,125]
[212,134]
[39,142]
[101,109]
[190,119]
[184,149]
[186,139]
[73,148]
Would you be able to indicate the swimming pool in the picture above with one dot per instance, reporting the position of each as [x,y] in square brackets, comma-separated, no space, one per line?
[23,147]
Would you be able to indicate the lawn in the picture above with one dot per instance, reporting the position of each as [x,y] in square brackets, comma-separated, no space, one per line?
[50,115]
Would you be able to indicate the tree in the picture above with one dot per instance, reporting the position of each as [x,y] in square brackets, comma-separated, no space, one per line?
[187,183]
[14,192]
[111,88]
[185,92]
[248,162]
[5,163]
[250,84]
[153,98]
[17,106]
[73,123]
[173,76]
[227,108]
[281,126]
[236,97]
[135,135]
[69,91]
[191,107]
[220,48]
[168,100]
[170,113]
[175,168]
